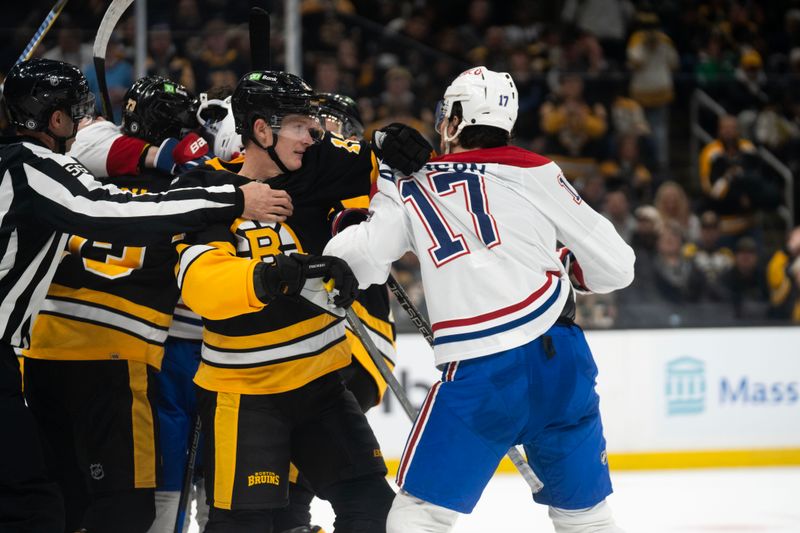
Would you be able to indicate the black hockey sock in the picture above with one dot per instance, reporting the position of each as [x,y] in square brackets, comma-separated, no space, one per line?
[129,511]
[239,521]
[298,512]
[361,505]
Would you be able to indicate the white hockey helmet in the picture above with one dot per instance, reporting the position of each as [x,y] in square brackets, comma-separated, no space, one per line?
[216,118]
[488,98]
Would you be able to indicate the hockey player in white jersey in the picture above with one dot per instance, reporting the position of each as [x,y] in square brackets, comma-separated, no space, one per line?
[484,220]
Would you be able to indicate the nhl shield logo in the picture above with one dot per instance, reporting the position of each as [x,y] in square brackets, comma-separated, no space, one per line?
[96,471]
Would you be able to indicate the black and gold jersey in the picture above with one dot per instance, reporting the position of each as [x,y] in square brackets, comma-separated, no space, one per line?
[249,347]
[108,301]
[373,308]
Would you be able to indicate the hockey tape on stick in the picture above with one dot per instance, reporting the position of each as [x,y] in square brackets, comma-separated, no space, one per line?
[188,475]
[405,302]
[42,31]
[107,25]
[259,38]
[424,328]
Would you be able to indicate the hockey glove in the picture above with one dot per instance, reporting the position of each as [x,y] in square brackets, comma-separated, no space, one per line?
[348,217]
[573,269]
[401,147]
[288,273]
[176,156]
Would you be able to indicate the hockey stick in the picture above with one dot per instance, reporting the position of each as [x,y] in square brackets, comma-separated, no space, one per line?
[259,38]
[188,475]
[422,326]
[42,31]
[107,25]
[405,302]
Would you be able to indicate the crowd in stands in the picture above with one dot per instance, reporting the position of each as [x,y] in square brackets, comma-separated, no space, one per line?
[604,90]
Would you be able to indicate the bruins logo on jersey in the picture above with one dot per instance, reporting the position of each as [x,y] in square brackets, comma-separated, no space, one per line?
[264,240]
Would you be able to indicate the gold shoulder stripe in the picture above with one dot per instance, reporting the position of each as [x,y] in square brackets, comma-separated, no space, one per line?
[279,336]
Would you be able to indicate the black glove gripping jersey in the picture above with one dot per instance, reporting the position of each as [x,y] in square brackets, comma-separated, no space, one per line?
[249,347]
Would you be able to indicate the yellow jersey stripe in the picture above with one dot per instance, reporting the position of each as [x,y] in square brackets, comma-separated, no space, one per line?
[274,378]
[110,301]
[268,339]
[226,433]
[144,441]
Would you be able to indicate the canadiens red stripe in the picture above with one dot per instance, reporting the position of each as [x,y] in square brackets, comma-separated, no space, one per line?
[451,370]
[422,418]
[500,312]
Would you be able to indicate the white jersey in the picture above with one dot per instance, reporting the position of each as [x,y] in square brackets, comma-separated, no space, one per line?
[485,225]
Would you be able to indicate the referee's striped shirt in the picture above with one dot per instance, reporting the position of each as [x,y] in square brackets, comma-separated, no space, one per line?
[44,196]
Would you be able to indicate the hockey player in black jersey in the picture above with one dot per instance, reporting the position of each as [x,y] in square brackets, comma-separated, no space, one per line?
[45,193]
[270,392]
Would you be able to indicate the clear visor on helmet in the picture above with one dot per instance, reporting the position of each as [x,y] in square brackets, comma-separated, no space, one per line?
[332,124]
[301,128]
[84,108]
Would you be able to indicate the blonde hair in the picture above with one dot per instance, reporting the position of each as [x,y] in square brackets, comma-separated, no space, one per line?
[660,201]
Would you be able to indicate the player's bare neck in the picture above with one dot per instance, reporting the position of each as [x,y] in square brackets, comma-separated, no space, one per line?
[39,136]
[258,166]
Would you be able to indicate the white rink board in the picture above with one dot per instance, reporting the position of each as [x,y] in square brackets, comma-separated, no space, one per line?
[661,390]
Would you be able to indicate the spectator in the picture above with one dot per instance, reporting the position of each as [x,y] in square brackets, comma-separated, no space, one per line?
[219,63]
[163,59]
[493,51]
[748,92]
[592,189]
[605,19]
[731,180]
[617,209]
[327,77]
[652,57]
[627,117]
[715,66]
[746,282]
[627,166]
[69,47]
[575,130]
[709,255]
[677,278]
[479,15]
[783,279]
[673,206]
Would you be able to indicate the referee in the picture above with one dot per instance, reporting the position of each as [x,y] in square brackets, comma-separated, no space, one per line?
[43,196]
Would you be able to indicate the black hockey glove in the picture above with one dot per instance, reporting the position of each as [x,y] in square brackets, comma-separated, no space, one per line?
[401,147]
[348,217]
[288,273]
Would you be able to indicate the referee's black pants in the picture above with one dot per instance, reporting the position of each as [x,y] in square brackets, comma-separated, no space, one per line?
[29,501]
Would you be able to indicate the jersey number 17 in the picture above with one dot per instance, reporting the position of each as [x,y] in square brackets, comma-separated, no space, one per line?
[447,245]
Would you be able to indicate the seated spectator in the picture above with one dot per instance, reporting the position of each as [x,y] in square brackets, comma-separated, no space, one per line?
[652,58]
[617,209]
[219,62]
[69,47]
[746,283]
[677,278]
[575,130]
[783,279]
[732,181]
[628,167]
[627,117]
[163,59]
[673,206]
[709,255]
[643,242]
[592,189]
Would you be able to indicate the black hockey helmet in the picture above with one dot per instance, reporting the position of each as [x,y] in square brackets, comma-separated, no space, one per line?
[343,110]
[270,95]
[36,88]
[156,108]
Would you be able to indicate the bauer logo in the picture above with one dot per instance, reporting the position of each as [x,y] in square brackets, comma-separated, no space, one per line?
[685,386]
[263,478]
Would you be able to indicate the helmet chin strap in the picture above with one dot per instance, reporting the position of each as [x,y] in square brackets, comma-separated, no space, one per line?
[271,151]
[61,141]
[449,139]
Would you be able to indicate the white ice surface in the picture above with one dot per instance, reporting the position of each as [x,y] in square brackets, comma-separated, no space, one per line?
[741,500]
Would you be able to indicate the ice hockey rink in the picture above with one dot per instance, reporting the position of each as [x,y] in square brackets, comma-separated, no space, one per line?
[736,500]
